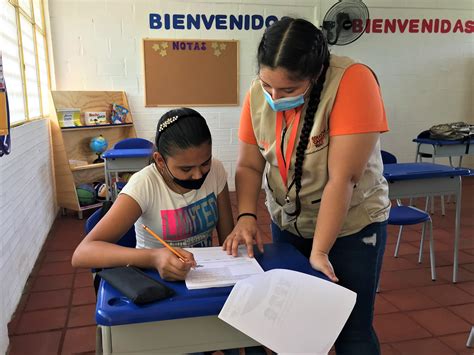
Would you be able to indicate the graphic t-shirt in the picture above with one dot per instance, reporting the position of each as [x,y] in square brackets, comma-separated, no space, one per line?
[183,220]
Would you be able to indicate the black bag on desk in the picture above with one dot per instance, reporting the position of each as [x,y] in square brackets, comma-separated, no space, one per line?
[135,284]
[454,131]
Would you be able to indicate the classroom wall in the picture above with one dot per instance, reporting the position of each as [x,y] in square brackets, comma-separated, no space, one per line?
[98,46]
[27,212]
[425,78]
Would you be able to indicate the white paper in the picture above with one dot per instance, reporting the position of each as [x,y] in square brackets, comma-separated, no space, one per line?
[288,311]
[217,269]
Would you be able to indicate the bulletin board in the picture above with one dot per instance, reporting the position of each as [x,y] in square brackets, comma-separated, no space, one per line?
[191,72]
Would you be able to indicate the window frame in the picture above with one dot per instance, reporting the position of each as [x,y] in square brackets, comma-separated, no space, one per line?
[38,26]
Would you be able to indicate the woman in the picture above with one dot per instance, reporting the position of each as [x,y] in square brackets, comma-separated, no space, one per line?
[310,125]
[182,196]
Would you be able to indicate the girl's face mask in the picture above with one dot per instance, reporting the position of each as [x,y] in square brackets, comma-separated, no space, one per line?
[190,184]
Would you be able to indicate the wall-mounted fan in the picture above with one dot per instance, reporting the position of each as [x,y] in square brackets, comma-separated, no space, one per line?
[345,21]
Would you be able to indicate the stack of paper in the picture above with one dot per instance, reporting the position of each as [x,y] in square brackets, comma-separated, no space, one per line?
[217,269]
[288,311]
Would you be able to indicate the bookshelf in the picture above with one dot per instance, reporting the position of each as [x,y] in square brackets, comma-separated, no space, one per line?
[71,144]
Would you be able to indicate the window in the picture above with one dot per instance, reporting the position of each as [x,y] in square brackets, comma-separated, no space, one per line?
[25,59]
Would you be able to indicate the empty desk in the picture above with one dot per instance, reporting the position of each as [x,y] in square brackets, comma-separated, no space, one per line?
[408,180]
[124,160]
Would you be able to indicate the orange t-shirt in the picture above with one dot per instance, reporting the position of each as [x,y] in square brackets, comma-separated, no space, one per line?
[358,107]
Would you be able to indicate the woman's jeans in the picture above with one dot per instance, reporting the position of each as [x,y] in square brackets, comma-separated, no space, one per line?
[357,260]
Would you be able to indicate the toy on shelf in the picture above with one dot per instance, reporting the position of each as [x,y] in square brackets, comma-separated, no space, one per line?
[98,145]
[86,194]
[119,114]
[95,118]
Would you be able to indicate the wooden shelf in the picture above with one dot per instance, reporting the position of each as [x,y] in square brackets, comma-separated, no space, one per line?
[89,207]
[87,167]
[73,143]
[103,126]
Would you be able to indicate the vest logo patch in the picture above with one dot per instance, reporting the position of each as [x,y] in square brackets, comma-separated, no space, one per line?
[264,145]
[318,140]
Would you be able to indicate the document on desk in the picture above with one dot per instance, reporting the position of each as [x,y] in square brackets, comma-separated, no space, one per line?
[288,311]
[217,269]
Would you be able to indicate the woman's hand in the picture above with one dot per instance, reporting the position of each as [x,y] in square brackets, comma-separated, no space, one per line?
[320,261]
[169,266]
[244,232]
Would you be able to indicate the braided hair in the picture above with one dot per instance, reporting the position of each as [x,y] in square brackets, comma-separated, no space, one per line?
[300,48]
[181,128]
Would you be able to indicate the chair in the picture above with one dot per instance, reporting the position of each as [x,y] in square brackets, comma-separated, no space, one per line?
[127,240]
[133,143]
[401,215]
[127,155]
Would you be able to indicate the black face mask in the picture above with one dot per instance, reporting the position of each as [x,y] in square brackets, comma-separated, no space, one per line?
[192,184]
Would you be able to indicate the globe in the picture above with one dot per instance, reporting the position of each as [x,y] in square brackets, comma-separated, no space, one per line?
[98,145]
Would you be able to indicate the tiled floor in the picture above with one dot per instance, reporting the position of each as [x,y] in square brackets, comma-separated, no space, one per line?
[414,315]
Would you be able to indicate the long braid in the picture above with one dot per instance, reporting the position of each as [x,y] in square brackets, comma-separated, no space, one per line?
[300,48]
[311,109]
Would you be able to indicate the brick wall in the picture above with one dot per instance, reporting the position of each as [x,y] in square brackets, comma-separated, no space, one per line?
[27,211]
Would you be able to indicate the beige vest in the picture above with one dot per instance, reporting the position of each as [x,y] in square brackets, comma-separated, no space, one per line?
[369,202]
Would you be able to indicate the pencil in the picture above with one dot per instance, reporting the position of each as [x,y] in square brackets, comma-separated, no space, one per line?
[175,252]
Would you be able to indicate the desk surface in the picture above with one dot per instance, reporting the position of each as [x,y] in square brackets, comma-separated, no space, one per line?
[412,171]
[442,142]
[114,309]
[127,153]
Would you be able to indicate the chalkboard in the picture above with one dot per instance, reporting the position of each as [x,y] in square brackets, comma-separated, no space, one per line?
[191,72]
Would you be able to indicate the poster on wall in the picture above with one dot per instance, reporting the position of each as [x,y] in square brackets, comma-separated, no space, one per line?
[191,72]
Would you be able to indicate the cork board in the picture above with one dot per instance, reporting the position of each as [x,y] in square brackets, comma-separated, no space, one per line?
[191,72]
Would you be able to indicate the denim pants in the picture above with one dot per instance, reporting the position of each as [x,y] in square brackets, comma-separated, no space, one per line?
[357,260]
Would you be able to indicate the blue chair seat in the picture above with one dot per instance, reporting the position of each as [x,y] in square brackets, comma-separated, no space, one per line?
[401,215]
[407,215]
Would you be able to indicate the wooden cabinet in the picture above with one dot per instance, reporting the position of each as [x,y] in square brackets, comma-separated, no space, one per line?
[71,144]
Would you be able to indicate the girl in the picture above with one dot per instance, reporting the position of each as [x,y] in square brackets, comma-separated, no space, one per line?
[182,196]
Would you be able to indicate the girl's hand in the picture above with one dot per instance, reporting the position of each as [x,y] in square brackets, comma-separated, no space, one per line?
[320,261]
[244,232]
[169,266]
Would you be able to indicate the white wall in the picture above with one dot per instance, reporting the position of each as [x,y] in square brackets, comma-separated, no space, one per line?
[425,78]
[98,46]
[27,211]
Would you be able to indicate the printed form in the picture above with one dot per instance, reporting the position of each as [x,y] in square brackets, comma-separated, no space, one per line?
[217,269]
[288,311]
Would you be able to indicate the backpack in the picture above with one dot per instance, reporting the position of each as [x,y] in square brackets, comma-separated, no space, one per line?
[456,131]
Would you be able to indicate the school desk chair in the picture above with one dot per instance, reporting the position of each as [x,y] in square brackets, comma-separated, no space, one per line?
[401,215]
[127,240]
[128,155]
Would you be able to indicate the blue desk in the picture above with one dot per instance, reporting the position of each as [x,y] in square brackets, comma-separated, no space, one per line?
[408,180]
[443,149]
[123,160]
[188,321]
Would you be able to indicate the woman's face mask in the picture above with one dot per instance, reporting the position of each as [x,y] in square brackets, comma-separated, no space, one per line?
[284,103]
[281,91]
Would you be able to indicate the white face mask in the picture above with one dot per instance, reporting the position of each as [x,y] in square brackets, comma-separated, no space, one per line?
[285,103]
